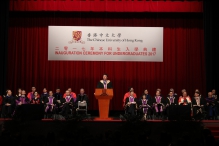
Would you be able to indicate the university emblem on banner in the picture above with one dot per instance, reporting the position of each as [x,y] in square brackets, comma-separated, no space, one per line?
[76,37]
[66,48]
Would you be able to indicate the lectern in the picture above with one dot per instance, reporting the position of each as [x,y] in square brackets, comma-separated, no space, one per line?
[104,96]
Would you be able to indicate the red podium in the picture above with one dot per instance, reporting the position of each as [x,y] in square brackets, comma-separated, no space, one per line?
[104,96]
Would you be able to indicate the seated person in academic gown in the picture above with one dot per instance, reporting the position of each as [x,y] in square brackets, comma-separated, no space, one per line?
[35,99]
[30,95]
[59,97]
[105,83]
[158,104]
[8,105]
[50,103]
[82,97]
[149,99]
[144,106]
[171,103]
[198,106]
[131,104]
[72,94]
[18,93]
[127,94]
[211,107]
[185,109]
[184,99]
[22,99]
[67,104]
[44,96]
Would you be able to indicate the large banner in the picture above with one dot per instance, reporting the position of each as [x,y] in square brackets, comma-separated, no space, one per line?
[89,43]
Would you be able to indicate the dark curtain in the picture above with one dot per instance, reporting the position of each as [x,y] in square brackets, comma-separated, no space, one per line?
[4,8]
[211,39]
[183,65]
[108,5]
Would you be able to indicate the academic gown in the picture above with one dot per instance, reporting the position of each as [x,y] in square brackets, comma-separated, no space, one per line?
[8,110]
[81,98]
[35,101]
[171,104]
[158,104]
[59,97]
[144,106]
[198,109]
[23,100]
[72,94]
[48,104]
[43,97]
[127,94]
[30,95]
[211,109]
[100,84]
[67,104]
[131,109]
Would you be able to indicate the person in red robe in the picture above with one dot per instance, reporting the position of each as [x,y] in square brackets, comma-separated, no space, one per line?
[184,99]
[36,99]
[30,95]
[127,94]
[72,94]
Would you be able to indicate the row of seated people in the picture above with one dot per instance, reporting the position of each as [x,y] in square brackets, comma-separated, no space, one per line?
[52,102]
[161,107]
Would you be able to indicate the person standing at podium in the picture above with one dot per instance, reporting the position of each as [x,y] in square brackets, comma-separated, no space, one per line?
[105,83]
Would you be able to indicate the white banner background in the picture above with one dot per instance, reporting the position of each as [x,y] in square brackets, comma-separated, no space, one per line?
[94,43]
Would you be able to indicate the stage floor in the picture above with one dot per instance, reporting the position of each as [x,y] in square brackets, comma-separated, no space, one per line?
[98,126]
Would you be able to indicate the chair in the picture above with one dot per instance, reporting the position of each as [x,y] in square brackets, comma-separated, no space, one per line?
[82,107]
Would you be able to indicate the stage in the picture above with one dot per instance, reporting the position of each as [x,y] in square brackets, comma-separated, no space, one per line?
[95,126]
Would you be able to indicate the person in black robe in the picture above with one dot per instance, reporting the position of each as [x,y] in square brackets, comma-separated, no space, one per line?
[144,107]
[67,105]
[131,104]
[50,105]
[82,97]
[158,105]
[211,108]
[171,103]
[198,106]
[19,90]
[20,100]
[105,83]
[59,97]
[149,101]
[8,105]
[35,99]
[44,96]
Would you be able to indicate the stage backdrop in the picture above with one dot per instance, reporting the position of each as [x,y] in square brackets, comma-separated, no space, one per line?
[182,67]
[105,43]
